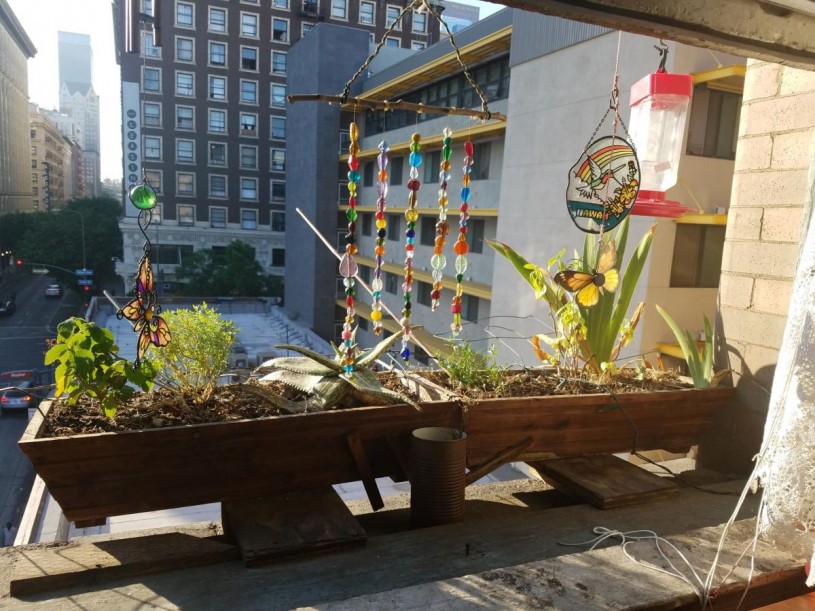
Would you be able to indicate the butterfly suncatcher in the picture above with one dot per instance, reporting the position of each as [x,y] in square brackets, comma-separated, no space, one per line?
[589,286]
[143,312]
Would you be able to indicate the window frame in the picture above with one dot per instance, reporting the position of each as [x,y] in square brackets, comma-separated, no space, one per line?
[285,56]
[178,191]
[272,120]
[185,142]
[180,73]
[210,112]
[272,152]
[272,183]
[156,179]
[210,95]
[151,69]
[210,147]
[248,131]
[283,250]
[184,212]
[345,15]
[413,23]
[388,23]
[272,223]
[242,32]
[225,13]
[248,179]
[257,58]
[145,116]
[178,23]
[212,222]
[243,100]
[280,4]
[219,43]
[247,148]
[148,49]
[179,39]
[373,13]
[211,191]
[393,39]
[286,39]
[272,95]
[160,147]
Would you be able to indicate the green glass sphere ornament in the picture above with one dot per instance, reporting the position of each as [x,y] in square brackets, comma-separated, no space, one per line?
[143,197]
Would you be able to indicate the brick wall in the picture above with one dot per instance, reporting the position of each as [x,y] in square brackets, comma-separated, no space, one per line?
[771,192]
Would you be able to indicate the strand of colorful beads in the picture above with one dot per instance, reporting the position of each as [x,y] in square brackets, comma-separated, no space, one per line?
[461,247]
[438,261]
[348,266]
[411,215]
[381,233]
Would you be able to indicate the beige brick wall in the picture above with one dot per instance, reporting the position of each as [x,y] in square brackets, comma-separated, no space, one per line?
[774,169]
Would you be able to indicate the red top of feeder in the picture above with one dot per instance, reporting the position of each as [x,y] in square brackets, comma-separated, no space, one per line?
[661,83]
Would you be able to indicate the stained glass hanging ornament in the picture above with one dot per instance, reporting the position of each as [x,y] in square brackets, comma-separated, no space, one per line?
[438,261]
[461,247]
[143,310]
[381,234]
[348,265]
[411,216]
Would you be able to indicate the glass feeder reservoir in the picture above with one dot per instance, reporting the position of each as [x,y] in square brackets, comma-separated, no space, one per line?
[659,109]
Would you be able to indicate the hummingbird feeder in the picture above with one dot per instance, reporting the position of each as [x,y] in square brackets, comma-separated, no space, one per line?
[659,109]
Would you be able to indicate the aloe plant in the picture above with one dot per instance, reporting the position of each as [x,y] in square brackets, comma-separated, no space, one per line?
[700,365]
[326,381]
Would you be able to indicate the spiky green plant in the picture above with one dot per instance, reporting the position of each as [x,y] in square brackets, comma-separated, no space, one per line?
[326,381]
[700,364]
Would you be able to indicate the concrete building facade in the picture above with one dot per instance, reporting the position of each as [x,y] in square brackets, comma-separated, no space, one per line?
[15,49]
[52,164]
[205,117]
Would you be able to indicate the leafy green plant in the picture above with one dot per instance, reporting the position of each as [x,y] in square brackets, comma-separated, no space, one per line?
[199,352]
[593,335]
[326,381]
[700,364]
[88,366]
[469,368]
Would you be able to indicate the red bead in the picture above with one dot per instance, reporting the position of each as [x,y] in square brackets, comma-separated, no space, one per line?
[464,207]
[468,148]
[414,184]
[353,163]
[409,247]
[349,301]
[380,215]
[435,294]
[455,308]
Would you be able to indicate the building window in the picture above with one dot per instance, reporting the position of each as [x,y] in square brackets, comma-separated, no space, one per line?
[475,235]
[393,42]
[278,191]
[423,293]
[185,151]
[280,29]
[217,20]
[427,231]
[217,218]
[217,121]
[34,163]
[152,148]
[152,114]
[278,128]
[391,14]
[311,6]
[249,157]
[284,4]
[186,215]
[217,88]
[35,190]
[217,54]
[152,79]
[249,92]
[33,150]
[249,59]
[368,174]
[184,49]
[339,9]
[249,124]
[148,46]
[278,95]
[249,219]
[697,256]
[418,46]
[367,14]
[367,223]
[185,183]
[184,83]
[391,282]
[154,177]
[185,117]
[714,123]
[305,28]
[147,7]
[419,22]
[469,308]
[393,227]
[217,186]
[396,171]
[481,161]
[278,160]
[279,62]
[184,14]
[217,153]
[278,257]
[249,189]
[432,161]
[278,221]
[249,25]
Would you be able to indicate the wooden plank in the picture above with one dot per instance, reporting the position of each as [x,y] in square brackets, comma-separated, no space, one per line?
[503,457]
[291,524]
[48,568]
[604,481]
[365,472]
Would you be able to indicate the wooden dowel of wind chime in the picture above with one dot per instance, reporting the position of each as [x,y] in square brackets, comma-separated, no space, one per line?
[397,105]
[364,284]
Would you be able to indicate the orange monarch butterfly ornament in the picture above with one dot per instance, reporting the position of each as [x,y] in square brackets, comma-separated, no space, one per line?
[589,286]
[143,312]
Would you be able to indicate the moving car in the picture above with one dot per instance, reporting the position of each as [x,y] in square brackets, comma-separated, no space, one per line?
[7,308]
[53,290]
[16,394]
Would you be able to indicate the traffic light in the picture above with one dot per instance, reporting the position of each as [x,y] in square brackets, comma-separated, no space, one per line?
[86,288]
[19,262]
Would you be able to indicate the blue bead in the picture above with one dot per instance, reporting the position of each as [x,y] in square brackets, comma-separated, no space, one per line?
[405,354]
[410,240]
[410,233]
[354,176]
[465,194]
[348,368]
[415,159]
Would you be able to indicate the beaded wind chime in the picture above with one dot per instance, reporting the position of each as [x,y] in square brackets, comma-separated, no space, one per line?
[348,267]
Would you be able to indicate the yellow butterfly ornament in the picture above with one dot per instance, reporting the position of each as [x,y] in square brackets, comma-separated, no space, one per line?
[589,287]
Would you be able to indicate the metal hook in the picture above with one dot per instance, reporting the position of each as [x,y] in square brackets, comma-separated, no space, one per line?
[662,49]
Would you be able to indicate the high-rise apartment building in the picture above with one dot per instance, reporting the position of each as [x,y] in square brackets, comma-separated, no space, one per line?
[204,117]
[15,49]
[52,163]
[78,99]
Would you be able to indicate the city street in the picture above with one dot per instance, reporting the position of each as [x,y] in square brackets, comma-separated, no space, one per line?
[22,344]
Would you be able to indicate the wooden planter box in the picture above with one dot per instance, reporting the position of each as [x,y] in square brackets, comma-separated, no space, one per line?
[106,474]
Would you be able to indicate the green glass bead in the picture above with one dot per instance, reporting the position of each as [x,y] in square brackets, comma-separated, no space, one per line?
[415,147]
[411,225]
[351,214]
[143,197]
[447,153]
[447,141]
[459,278]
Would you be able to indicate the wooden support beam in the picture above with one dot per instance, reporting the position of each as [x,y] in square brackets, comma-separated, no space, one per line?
[365,471]
[504,456]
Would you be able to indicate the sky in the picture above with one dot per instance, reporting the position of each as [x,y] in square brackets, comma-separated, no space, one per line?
[42,19]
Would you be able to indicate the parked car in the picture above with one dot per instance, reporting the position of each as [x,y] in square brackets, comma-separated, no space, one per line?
[53,290]
[238,358]
[7,308]
[16,394]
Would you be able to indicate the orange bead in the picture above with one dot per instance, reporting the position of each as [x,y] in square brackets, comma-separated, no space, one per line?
[461,248]
[438,250]
[379,250]
[351,249]
[465,180]
[383,175]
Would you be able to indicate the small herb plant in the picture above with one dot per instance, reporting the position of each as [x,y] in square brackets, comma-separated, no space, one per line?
[700,363]
[89,366]
[469,368]
[198,354]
